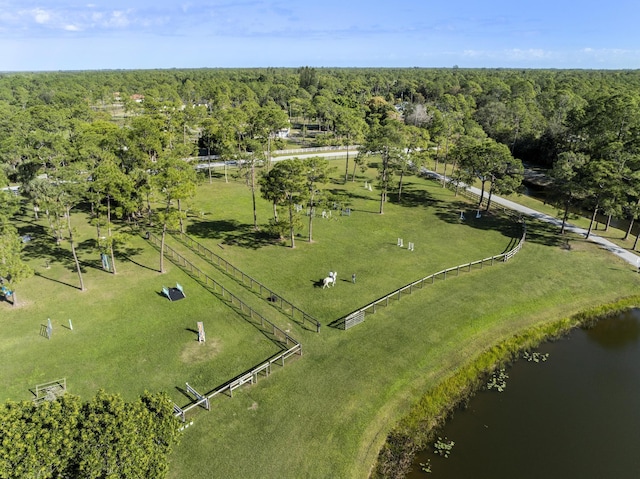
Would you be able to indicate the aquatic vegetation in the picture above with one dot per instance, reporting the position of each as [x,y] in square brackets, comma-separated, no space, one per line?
[535,356]
[426,466]
[498,380]
[442,447]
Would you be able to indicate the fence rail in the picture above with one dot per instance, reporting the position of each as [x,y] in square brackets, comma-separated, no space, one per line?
[358,316]
[313,150]
[294,151]
[250,376]
[295,313]
[288,344]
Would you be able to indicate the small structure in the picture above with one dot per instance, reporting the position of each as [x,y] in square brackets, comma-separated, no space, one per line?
[174,294]
[6,292]
[201,338]
[50,391]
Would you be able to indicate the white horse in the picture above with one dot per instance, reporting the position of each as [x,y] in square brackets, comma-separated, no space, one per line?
[329,280]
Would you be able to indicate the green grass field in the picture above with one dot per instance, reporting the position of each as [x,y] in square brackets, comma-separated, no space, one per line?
[327,413]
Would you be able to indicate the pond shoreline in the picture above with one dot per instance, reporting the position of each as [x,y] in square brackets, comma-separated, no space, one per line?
[419,428]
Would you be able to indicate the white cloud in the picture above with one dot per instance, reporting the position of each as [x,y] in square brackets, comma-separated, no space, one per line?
[117,19]
[41,16]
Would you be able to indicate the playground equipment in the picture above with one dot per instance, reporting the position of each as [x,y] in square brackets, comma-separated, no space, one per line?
[174,294]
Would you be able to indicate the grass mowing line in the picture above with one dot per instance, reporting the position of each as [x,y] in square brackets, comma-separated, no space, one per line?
[272,297]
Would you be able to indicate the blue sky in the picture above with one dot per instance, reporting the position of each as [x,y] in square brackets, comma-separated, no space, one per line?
[128,34]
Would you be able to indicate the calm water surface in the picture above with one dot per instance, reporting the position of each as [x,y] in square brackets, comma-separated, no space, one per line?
[577,415]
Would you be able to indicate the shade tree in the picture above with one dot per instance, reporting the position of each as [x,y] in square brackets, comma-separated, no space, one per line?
[13,268]
[104,437]
[351,129]
[389,142]
[415,154]
[567,177]
[286,185]
[492,164]
[111,185]
[175,180]
[316,172]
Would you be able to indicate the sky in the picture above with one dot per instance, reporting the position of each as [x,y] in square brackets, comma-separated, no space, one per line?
[50,35]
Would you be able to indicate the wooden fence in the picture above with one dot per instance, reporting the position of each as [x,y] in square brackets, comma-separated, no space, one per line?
[289,346]
[250,376]
[295,313]
[358,316]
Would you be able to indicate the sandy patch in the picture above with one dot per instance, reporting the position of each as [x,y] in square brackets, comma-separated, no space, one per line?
[194,351]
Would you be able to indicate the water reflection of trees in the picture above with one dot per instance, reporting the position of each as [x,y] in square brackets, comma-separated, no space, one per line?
[618,332]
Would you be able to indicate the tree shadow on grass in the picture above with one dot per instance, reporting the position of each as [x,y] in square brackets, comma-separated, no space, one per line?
[351,195]
[128,254]
[538,231]
[40,275]
[414,197]
[43,246]
[232,233]
[544,233]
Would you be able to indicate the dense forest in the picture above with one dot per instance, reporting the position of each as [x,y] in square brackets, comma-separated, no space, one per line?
[118,141]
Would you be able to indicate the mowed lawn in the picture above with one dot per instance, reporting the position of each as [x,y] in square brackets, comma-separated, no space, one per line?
[364,243]
[127,337]
[327,413]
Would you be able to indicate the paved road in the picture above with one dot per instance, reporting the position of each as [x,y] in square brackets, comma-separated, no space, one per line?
[626,255]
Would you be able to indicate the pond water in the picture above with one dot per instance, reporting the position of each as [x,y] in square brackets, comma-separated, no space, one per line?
[576,415]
